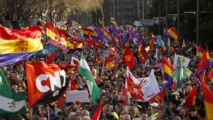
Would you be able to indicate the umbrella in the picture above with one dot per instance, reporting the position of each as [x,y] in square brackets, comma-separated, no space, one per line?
[160,65]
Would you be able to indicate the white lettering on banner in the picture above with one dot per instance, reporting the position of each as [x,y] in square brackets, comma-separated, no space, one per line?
[77,95]
[58,80]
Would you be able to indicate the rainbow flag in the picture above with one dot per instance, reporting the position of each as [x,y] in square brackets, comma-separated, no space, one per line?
[167,67]
[59,39]
[208,101]
[19,44]
[174,34]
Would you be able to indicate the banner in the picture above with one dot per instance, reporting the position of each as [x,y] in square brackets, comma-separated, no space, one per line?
[77,95]
[149,86]
[185,60]
[45,83]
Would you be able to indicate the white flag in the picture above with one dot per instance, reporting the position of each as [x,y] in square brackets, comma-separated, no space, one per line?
[185,60]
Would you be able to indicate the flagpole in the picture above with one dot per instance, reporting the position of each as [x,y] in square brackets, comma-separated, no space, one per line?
[102,69]
[48,112]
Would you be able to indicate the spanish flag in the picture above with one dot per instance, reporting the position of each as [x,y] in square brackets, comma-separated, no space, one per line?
[167,68]
[174,34]
[92,32]
[109,62]
[19,44]
[208,101]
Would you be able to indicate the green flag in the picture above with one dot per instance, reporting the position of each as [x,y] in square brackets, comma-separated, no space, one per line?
[84,70]
[11,103]
[180,74]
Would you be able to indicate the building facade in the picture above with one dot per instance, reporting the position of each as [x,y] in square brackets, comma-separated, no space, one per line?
[125,11]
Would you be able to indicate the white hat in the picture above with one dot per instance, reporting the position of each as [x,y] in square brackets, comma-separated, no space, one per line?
[154,104]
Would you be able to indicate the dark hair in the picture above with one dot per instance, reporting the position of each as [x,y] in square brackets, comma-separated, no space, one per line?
[202,113]
[193,108]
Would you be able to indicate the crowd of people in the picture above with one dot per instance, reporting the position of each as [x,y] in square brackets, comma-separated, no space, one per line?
[116,106]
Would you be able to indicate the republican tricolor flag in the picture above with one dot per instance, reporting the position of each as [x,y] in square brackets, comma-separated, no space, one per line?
[174,34]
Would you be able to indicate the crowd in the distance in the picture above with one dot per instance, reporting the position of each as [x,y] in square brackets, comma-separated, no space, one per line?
[110,81]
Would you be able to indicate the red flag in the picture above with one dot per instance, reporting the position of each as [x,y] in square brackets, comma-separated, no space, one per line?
[68,68]
[73,85]
[203,63]
[43,81]
[97,58]
[109,62]
[134,88]
[60,102]
[50,58]
[90,40]
[113,51]
[21,62]
[124,90]
[210,75]
[128,58]
[97,113]
[190,99]
[158,97]
[151,42]
[98,43]
[142,54]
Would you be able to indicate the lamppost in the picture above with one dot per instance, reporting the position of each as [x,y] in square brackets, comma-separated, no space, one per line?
[197,23]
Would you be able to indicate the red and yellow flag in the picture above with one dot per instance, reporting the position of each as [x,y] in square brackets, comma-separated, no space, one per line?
[109,62]
[190,99]
[128,58]
[208,101]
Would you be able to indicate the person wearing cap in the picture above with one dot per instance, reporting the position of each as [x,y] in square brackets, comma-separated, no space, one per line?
[154,110]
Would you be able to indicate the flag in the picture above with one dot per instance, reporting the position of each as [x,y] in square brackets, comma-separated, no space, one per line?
[203,63]
[128,58]
[179,76]
[113,51]
[107,37]
[210,58]
[159,40]
[50,58]
[59,39]
[210,75]
[142,54]
[45,83]
[69,69]
[92,33]
[11,103]
[208,101]
[19,44]
[174,34]
[190,99]
[134,86]
[60,102]
[158,97]
[124,90]
[74,61]
[84,70]
[109,62]
[199,50]
[151,42]
[185,60]
[167,68]
[147,85]
[97,113]
[73,85]
[97,59]
[90,41]
[186,73]
[112,20]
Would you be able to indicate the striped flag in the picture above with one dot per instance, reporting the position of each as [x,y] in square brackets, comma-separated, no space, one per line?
[167,68]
